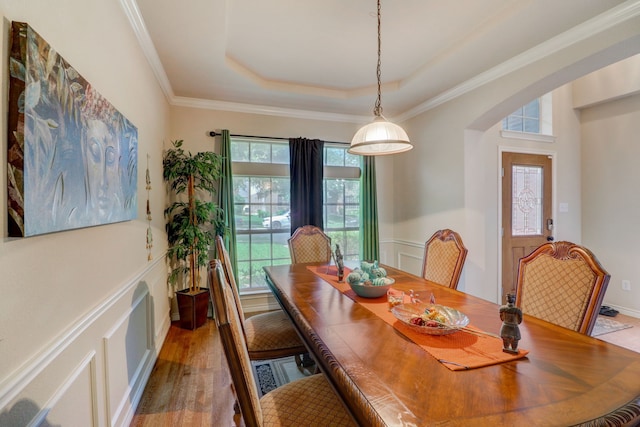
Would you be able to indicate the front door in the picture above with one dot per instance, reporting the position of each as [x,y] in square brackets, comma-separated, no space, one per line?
[526,211]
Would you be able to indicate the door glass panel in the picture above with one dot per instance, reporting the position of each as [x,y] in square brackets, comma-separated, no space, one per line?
[526,202]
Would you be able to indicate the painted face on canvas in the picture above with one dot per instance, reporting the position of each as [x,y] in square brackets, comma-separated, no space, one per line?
[102,159]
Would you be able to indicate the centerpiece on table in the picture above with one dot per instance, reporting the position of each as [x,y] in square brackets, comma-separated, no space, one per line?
[369,280]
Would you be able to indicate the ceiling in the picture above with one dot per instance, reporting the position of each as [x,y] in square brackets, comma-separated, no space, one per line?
[319,57]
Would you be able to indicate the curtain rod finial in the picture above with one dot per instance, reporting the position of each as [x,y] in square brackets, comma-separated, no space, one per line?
[213,133]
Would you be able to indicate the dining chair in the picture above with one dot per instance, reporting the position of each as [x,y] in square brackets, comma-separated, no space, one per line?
[444,256]
[306,401]
[269,335]
[562,283]
[309,244]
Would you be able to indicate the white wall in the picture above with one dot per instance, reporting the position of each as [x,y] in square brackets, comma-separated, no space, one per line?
[610,126]
[83,312]
[452,171]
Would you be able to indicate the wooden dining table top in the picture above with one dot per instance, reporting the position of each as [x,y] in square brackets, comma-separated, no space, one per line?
[385,379]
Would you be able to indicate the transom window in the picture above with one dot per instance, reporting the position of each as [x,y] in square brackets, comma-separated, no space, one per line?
[262,203]
[533,118]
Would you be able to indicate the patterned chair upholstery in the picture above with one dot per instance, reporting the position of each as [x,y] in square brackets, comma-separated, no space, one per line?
[307,401]
[444,256]
[309,244]
[268,335]
[562,283]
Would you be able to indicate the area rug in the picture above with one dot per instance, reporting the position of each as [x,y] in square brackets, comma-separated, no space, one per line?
[605,325]
[270,374]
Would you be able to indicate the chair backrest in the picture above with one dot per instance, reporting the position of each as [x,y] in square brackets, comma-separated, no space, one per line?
[562,283]
[223,257]
[309,244]
[444,256]
[235,346]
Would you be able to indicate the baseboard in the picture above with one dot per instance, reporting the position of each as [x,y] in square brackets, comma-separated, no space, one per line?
[626,311]
[259,302]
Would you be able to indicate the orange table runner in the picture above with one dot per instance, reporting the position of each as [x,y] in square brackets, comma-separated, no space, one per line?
[457,351]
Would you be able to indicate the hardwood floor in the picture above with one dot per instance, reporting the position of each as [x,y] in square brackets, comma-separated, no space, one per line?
[190,384]
[628,338]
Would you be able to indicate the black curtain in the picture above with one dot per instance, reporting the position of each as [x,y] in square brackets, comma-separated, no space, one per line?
[305,167]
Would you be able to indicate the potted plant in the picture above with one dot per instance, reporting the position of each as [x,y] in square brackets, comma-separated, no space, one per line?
[193,221]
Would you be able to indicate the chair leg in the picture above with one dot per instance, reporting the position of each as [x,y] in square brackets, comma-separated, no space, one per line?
[304,362]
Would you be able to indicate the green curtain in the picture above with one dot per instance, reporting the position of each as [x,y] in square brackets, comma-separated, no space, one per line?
[370,245]
[225,200]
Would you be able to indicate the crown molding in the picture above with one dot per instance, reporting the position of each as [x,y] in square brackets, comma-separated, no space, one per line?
[603,22]
[579,33]
[267,110]
[132,12]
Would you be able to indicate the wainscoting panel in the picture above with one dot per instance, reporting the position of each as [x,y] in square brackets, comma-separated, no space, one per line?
[127,348]
[74,403]
[409,263]
[95,372]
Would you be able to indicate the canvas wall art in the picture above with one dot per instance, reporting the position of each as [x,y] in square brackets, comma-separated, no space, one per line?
[72,157]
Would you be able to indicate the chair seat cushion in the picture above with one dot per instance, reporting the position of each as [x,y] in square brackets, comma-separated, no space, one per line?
[308,401]
[272,335]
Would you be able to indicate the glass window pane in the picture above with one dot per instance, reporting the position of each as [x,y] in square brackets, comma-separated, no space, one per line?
[352,191]
[334,156]
[257,274]
[529,118]
[514,123]
[531,125]
[260,152]
[532,109]
[240,151]
[526,201]
[260,247]
[244,275]
[280,153]
[240,189]
[280,246]
[351,160]
[281,190]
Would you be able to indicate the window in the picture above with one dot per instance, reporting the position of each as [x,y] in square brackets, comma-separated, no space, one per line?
[262,202]
[532,118]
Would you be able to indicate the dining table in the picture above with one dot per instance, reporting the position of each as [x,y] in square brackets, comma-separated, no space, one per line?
[390,374]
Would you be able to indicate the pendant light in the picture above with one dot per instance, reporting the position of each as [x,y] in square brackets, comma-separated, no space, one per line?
[379,137]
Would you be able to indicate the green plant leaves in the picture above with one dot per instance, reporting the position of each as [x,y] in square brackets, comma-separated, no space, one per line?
[192,224]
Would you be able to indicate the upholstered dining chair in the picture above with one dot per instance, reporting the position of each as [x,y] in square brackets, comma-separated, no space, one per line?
[444,256]
[269,335]
[309,244]
[307,401]
[562,283]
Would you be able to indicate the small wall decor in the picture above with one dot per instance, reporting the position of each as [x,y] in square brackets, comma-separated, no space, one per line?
[149,230]
[72,157]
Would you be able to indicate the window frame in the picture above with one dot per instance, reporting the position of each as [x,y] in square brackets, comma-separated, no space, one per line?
[263,169]
[545,122]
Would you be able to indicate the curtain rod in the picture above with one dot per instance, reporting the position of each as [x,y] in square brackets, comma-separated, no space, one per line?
[214,134]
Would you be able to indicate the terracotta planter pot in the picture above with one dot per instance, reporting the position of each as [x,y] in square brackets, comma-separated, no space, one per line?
[193,308]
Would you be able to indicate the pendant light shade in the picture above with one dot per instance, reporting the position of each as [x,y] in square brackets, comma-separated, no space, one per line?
[379,137]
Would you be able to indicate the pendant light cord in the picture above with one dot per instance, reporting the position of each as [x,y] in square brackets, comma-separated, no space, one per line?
[377,111]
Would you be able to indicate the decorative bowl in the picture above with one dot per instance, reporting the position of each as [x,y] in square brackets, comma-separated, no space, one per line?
[453,319]
[372,291]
